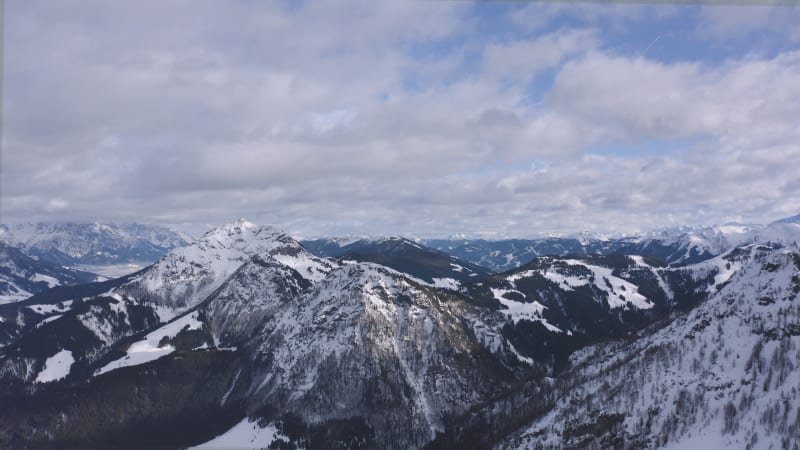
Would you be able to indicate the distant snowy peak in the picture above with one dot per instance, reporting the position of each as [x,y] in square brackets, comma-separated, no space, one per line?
[92,243]
[186,275]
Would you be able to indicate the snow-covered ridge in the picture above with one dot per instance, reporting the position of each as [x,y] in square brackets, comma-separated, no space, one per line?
[186,275]
[725,375]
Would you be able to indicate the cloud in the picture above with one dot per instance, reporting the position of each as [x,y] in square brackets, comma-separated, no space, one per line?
[383,117]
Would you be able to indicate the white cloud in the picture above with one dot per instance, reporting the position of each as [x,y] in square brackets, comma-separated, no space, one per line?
[379,117]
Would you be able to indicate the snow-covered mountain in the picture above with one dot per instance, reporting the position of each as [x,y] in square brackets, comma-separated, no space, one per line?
[22,276]
[677,246]
[725,375]
[324,342]
[78,244]
[401,254]
[244,334]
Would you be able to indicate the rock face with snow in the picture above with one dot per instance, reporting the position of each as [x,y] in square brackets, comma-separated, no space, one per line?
[22,276]
[724,375]
[363,344]
[246,333]
[91,320]
[185,276]
[325,342]
[92,243]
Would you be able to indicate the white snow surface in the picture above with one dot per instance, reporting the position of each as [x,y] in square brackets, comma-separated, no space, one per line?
[56,367]
[147,349]
[19,295]
[51,281]
[517,311]
[446,283]
[247,434]
[621,293]
[47,309]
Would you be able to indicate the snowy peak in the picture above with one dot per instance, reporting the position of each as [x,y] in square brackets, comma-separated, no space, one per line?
[238,229]
[185,276]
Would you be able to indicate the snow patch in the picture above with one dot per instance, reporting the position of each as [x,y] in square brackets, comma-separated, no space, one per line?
[247,434]
[56,367]
[621,293]
[522,311]
[148,349]
[446,283]
[48,309]
[51,282]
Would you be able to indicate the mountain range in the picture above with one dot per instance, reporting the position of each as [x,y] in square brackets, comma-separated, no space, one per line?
[676,246]
[248,338]
[81,244]
[22,276]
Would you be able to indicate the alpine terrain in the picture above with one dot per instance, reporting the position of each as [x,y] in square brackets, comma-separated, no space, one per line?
[94,246]
[247,338]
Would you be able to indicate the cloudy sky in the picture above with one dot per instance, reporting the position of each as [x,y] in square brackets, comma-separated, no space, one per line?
[415,117]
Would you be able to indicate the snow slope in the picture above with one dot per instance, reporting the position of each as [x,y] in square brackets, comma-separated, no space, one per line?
[150,348]
[726,374]
[56,367]
[245,435]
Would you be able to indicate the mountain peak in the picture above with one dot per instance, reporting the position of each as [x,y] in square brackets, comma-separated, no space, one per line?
[238,229]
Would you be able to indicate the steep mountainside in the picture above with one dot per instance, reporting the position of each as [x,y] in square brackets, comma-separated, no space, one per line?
[327,347]
[92,243]
[246,335]
[364,345]
[22,276]
[724,375]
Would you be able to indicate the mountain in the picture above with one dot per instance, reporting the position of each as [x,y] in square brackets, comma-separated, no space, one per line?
[724,375]
[244,336]
[679,246]
[325,350]
[22,276]
[506,254]
[75,244]
[404,255]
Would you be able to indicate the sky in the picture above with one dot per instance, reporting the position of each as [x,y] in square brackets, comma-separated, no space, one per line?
[424,118]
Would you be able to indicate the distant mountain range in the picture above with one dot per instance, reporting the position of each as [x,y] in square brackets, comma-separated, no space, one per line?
[22,276]
[675,246]
[247,335]
[81,244]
